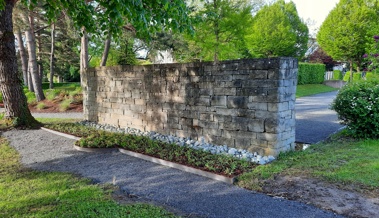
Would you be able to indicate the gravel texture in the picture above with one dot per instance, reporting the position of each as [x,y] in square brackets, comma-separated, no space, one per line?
[73,115]
[191,194]
[188,142]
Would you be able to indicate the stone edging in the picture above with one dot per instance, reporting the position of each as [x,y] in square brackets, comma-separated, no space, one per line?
[179,166]
[148,158]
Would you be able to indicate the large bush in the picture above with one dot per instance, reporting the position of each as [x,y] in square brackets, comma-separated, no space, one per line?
[357,105]
[311,73]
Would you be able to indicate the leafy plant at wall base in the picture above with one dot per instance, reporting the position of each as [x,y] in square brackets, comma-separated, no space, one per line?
[223,164]
[357,105]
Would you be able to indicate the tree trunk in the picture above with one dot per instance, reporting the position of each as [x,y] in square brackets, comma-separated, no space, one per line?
[16,107]
[107,46]
[30,81]
[30,41]
[23,57]
[39,51]
[83,53]
[351,70]
[51,82]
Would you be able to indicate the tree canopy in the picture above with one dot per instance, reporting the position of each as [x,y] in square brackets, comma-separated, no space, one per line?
[277,30]
[100,16]
[348,28]
[220,30]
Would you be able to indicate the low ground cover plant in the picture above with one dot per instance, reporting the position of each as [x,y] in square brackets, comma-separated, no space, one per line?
[92,138]
[357,105]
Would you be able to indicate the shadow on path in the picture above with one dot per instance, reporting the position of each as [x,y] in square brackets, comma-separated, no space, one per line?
[191,194]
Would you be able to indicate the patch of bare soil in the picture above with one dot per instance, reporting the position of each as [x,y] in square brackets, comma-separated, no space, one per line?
[323,195]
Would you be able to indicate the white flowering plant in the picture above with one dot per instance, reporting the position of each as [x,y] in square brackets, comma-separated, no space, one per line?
[357,106]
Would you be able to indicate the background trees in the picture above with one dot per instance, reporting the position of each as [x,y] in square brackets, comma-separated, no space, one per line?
[348,29]
[277,30]
[164,14]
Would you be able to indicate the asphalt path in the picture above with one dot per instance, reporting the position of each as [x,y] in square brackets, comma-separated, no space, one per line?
[314,120]
[192,195]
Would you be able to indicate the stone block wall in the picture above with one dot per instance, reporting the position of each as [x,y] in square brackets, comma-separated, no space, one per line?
[246,104]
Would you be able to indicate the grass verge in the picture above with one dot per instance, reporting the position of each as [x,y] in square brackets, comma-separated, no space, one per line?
[312,89]
[341,162]
[27,193]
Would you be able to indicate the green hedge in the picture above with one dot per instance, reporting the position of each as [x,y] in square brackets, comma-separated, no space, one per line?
[337,75]
[358,76]
[311,73]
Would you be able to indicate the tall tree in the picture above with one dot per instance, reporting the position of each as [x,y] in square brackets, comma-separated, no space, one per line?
[33,65]
[23,56]
[220,30]
[277,30]
[347,29]
[164,14]
[52,51]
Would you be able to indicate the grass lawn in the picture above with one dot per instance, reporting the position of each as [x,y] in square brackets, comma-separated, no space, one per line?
[27,193]
[312,89]
[344,162]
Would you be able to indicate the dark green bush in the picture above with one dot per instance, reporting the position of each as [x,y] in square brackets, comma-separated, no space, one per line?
[310,73]
[337,75]
[357,105]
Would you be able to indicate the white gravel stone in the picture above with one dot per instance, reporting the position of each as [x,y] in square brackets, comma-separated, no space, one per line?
[202,144]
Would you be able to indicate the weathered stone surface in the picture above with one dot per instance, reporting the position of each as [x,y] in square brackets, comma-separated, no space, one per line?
[248,104]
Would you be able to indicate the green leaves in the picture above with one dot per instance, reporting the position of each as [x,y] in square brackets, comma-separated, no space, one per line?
[277,30]
[357,105]
[344,33]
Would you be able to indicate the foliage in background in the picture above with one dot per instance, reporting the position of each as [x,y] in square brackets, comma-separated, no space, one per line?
[358,76]
[347,30]
[337,75]
[219,31]
[372,56]
[310,73]
[277,30]
[319,56]
[357,105]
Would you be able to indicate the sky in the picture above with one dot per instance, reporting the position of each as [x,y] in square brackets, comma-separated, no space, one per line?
[316,10]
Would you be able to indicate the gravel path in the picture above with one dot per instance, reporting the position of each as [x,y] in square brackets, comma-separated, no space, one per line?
[314,120]
[191,194]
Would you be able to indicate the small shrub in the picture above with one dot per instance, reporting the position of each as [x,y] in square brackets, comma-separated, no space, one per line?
[31,97]
[1,97]
[65,104]
[51,94]
[357,105]
[310,73]
[41,106]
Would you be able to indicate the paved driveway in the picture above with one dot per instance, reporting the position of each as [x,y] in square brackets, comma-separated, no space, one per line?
[314,120]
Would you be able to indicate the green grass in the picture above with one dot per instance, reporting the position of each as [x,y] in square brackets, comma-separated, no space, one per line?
[48,121]
[65,86]
[355,163]
[27,193]
[312,89]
